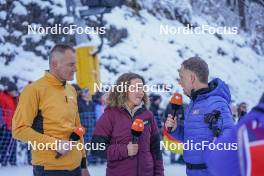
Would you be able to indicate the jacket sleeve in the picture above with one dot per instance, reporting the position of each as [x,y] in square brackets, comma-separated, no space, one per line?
[225,123]
[24,116]
[155,149]
[224,162]
[102,137]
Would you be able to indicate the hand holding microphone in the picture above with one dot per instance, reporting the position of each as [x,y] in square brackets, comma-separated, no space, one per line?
[171,123]
[136,130]
[65,146]
[176,103]
[132,149]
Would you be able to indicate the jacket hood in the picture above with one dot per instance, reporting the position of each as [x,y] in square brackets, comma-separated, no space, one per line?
[217,88]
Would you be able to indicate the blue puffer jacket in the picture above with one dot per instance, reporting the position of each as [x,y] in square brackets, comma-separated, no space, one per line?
[195,130]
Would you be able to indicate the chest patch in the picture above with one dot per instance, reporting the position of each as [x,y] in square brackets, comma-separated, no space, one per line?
[196,112]
[147,122]
[71,97]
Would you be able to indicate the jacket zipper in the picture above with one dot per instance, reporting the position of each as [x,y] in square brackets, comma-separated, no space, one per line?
[132,118]
[136,113]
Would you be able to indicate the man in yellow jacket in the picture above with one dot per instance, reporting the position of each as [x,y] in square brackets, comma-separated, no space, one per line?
[47,114]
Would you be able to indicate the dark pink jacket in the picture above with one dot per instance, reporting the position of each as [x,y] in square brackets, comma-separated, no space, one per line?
[114,129]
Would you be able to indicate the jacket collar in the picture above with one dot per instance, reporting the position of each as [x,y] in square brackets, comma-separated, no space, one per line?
[52,79]
[137,110]
[202,91]
[133,111]
[194,94]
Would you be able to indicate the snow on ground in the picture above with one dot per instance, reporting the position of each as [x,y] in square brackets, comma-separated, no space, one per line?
[27,171]
[98,170]
[170,170]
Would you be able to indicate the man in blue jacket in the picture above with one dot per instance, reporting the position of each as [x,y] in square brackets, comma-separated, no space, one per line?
[207,116]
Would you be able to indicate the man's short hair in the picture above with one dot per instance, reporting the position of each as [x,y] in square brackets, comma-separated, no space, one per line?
[199,67]
[59,48]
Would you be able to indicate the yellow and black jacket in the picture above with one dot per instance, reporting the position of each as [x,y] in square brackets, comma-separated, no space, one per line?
[47,111]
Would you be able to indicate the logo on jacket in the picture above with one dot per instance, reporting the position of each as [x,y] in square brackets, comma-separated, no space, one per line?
[196,112]
[70,97]
[147,122]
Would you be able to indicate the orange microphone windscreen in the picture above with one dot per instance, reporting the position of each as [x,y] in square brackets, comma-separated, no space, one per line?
[79,131]
[138,125]
[176,99]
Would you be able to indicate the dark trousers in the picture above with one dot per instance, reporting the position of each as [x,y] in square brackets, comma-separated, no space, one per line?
[39,171]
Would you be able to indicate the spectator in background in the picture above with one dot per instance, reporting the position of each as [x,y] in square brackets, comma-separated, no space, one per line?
[85,103]
[98,107]
[241,110]
[155,101]
[98,104]
[87,115]
[234,112]
[77,89]
[8,103]
[88,119]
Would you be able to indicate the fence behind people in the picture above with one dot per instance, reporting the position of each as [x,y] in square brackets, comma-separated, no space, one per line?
[13,152]
[8,145]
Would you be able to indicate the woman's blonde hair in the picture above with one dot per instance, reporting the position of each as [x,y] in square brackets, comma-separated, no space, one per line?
[118,98]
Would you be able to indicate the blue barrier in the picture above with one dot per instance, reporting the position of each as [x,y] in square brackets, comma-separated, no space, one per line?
[8,144]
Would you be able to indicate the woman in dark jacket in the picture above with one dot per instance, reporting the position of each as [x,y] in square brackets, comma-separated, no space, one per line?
[114,130]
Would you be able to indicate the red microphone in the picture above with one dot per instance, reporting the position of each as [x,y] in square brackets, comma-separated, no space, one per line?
[136,130]
[176,103]
[75,136]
